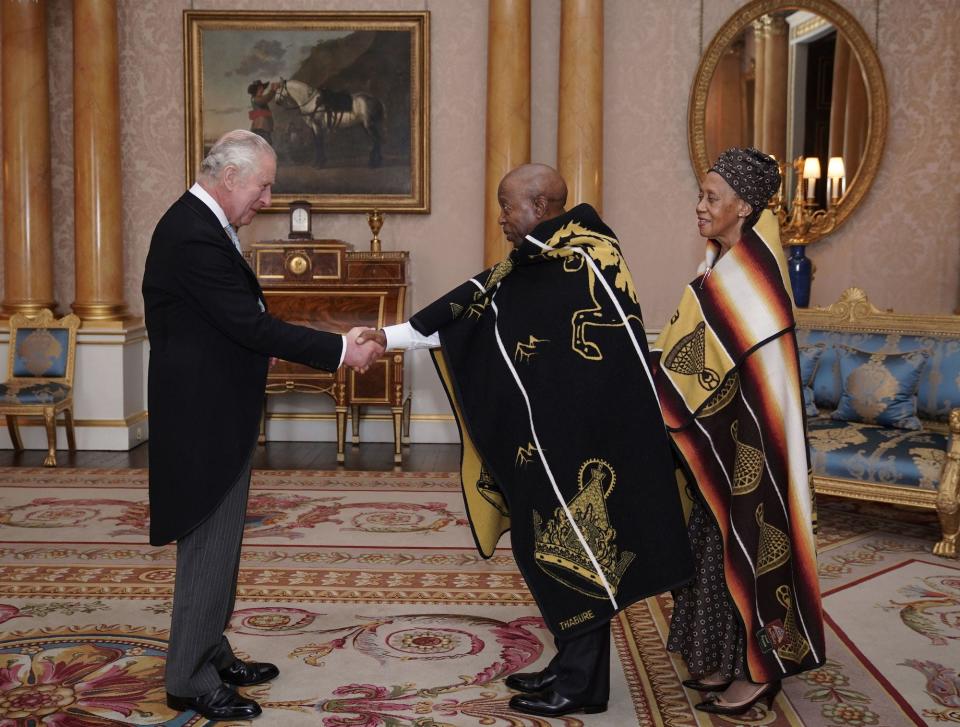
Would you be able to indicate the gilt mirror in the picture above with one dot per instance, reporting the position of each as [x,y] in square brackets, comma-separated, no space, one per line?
[795,79]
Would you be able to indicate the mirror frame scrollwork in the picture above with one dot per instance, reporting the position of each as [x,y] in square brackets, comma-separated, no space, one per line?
[846,24]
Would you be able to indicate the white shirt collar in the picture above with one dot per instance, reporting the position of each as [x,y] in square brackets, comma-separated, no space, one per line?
[204,196]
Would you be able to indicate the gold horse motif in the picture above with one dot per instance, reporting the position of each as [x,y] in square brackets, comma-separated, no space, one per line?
[602,249]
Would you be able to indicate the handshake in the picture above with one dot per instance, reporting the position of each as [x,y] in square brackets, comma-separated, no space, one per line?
[364,346]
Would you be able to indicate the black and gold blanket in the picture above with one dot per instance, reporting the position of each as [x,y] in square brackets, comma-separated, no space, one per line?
[545,361]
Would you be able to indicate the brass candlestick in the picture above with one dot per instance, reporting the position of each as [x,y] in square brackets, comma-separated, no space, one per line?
[375,220]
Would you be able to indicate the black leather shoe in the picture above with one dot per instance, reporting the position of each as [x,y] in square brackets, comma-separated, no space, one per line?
[702,686]
[530,682]
[550,703]
[248,673]
[766,693]
[221,704]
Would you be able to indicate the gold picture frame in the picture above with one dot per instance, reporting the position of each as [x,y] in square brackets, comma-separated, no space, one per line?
[344,98]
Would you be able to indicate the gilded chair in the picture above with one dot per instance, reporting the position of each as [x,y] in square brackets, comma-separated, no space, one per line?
[40,365]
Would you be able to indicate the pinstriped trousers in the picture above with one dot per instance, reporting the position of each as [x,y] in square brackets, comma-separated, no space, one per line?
[208,560]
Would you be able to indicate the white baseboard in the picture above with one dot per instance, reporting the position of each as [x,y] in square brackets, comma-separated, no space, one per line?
[322,428]
[100,436]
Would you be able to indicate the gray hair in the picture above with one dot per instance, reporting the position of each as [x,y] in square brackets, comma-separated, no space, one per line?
[239,148]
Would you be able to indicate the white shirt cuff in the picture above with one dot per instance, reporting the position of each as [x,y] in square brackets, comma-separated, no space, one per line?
[343,351]
[405,337]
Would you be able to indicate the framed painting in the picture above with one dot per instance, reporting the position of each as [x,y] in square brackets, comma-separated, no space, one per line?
[343,98]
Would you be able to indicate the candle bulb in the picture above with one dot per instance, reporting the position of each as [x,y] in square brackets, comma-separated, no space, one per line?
[811,172]
[835,175]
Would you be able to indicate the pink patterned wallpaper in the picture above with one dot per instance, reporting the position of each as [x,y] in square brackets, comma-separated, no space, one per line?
[902,245]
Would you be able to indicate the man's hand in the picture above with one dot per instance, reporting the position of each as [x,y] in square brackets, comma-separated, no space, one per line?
[373,334]
[361,351]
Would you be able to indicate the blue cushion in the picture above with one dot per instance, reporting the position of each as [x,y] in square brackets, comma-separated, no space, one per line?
[879,388]
[41,352]
[809,358]
[14,393]
[826,380]
[867,453]
[939,389]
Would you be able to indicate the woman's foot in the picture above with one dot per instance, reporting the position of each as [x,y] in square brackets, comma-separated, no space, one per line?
[710,683]
[739,697]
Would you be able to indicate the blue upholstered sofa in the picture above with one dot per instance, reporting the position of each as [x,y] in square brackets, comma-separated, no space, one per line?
[857,449]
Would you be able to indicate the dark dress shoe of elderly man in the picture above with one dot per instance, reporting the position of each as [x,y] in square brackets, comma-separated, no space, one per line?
[530,682]
[248,673]
[550,703]
[219,705]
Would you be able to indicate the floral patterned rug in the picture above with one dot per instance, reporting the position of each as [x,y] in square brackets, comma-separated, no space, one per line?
[366,590]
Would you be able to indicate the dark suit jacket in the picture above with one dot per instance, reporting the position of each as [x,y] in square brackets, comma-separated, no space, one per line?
[209,350]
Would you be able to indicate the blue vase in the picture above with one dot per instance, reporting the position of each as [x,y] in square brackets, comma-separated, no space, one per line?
[800,268]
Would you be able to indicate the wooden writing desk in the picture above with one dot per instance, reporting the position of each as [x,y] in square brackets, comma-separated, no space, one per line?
[324,284]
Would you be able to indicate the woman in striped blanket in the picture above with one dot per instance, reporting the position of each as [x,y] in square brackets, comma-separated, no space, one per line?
[729,386]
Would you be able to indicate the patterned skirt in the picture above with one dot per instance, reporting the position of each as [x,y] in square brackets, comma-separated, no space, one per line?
[706,629]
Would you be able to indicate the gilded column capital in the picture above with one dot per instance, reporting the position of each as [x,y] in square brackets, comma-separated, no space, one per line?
[775,25]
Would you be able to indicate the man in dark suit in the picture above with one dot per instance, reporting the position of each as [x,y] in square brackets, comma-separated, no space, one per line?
[210,344]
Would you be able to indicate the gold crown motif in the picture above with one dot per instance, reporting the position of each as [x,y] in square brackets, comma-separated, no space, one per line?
[559,552]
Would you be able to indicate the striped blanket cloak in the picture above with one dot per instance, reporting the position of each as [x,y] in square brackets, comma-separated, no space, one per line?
[563,443]
[729,385]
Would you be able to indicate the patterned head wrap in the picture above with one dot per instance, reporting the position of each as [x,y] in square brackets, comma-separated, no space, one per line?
[754,176]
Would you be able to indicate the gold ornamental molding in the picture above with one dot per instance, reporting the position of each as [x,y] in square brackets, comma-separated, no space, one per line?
[127,342]
[331,416]
[137,418]
[854,312]
[876,86]
[856,490]
[129,421]
[810,26]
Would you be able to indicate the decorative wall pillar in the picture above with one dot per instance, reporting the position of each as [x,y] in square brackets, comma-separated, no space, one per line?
[838,100]
[508,110]
[27,234]
[724,111]
[855,126]
[96,140]
[580,119]
[775,63]
[759,83]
